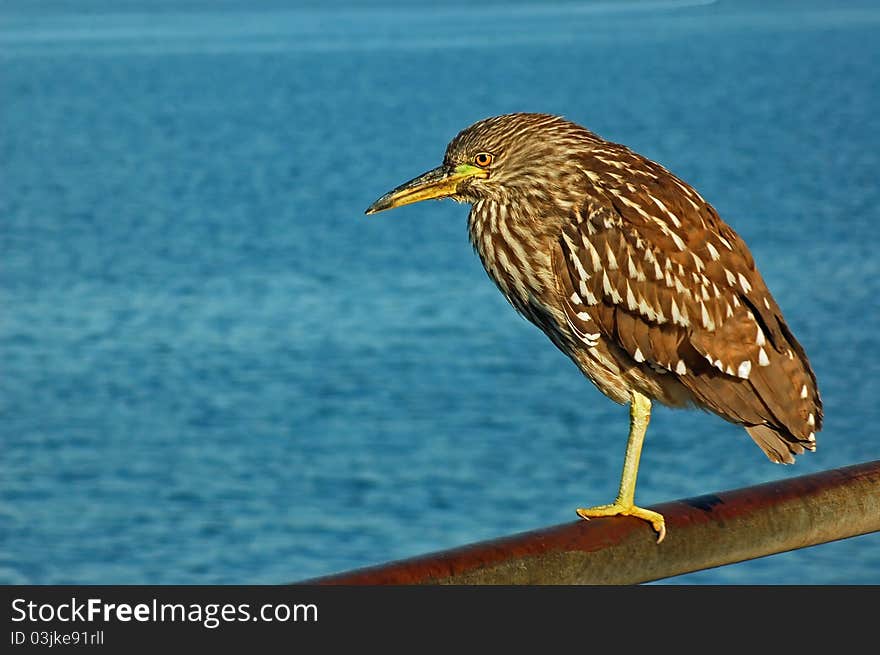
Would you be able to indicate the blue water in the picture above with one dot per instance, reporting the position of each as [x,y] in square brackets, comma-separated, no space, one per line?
[215,369]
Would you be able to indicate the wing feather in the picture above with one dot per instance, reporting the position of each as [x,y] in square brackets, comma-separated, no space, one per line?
[673,286]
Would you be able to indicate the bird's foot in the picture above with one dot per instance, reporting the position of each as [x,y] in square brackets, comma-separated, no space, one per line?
[615,509]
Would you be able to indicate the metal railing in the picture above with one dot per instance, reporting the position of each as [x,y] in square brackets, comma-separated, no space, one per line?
[702,532]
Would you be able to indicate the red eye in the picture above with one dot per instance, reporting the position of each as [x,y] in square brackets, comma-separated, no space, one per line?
[483,159]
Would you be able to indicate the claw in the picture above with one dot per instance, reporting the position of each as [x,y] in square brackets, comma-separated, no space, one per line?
[656,520]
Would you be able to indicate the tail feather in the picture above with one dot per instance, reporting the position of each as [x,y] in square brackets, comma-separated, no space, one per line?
[779,445]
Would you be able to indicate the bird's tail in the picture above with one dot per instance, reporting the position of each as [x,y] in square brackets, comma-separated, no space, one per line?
[778,444]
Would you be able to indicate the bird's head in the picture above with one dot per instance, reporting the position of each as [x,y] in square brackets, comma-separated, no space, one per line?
[500,158]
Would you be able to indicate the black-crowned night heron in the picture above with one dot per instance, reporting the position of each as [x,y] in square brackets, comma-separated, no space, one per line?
[632,275]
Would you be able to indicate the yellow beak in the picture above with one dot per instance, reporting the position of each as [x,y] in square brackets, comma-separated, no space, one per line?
[441,182]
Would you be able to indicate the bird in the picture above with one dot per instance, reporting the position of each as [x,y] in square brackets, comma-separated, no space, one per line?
[633,276]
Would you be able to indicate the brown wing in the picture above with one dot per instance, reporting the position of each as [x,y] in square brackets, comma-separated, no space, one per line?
[661,275]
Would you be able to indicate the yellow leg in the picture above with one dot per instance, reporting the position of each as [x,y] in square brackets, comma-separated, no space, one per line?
[639,416]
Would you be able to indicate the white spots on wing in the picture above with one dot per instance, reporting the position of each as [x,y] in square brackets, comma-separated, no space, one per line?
[594,177]
[804,392]
[634,205]
[759,339]
[630,298]
[595,260]
[651,259]
[708,323]
[688,193]
[684,187]
[584,289]
[763,360]
[811,420]
[679,316]
[766,303]
[745,367]
[588,295]
[812,437]
[724,242]
[658,272]
[638,356]
[698,262]
[681,288]
[646,310]
[680,367]
[634,271]
[609,289]
[610,220]
[609,255]
[672,217]
[608,162]
[589,338]
[581,271]
[731,278]
[744,283]
[659,222]
[713,252]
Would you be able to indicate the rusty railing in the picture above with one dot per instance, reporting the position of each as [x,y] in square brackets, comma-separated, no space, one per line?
[703,532]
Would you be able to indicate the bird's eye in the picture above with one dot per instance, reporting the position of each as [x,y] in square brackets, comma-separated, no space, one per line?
[483,159]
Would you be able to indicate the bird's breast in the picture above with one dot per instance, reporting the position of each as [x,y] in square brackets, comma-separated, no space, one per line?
[515,254]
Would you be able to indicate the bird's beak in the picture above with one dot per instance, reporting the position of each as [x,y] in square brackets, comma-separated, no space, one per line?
[441,182]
